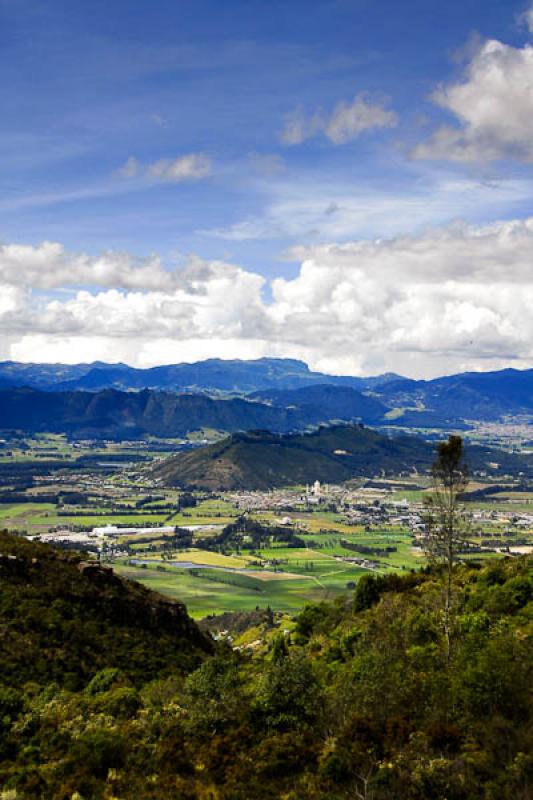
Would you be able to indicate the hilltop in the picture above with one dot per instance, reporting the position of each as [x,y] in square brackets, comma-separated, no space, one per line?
[261,460]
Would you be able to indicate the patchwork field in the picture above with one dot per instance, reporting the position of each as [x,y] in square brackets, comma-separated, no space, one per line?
[205,592]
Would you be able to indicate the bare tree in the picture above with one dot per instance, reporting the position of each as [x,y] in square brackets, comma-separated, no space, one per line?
[446,519]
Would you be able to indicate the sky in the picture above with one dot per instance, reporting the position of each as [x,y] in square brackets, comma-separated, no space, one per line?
[348,182]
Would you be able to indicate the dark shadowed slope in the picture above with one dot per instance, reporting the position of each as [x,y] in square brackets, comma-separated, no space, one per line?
[333,402]
[113,414]
[260,460]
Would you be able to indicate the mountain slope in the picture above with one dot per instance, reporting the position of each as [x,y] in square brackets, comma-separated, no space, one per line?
[361,700]
[63,619]
[113,414]
[331,402]
[261,460]
[471,395]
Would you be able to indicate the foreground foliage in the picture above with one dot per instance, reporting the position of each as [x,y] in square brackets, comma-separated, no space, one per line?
[361,702]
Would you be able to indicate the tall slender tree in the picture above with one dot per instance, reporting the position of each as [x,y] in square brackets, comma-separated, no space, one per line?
[446,519]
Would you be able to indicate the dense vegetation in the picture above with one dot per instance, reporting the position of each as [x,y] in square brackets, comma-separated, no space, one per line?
[249,534]
[63,618]
[262,460]
[361,701]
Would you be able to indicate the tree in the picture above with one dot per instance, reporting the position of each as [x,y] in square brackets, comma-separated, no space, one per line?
[447,521]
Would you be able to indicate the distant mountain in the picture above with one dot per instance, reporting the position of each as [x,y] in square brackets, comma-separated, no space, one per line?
[330,402]
[45,376]
[128,415]
[467,396]
[213,375]
[283,382]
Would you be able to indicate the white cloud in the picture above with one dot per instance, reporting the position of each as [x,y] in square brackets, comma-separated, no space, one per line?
[49,266]
[493,107]
[12,298]
[190,167]
[347,122]
[298,128]
[450,298]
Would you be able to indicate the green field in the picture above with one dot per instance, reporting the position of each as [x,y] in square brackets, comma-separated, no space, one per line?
[289,578]
[213,594]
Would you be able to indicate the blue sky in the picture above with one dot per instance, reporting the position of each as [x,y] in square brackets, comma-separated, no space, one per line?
[254,134]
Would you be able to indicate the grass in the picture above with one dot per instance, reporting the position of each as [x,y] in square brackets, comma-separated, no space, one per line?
[203,595]
[25,515]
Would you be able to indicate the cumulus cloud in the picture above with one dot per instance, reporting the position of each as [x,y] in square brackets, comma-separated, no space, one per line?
[493,107]
[450,298]
[345,123]
[190,167]
[348,121]
[48,266]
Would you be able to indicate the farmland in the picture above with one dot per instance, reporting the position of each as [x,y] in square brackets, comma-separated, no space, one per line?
[314,542]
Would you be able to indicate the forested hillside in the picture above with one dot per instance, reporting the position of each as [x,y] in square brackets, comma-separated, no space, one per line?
[262,460]
[113,414]
[360,701]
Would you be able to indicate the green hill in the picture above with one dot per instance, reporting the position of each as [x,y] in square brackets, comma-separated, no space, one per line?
[262,460]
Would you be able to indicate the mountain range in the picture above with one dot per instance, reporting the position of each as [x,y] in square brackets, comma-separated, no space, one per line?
[469,395]
[128,415]
[212,375]
[277,394]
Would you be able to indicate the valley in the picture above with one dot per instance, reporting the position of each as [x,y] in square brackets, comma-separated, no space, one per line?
[313,542]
